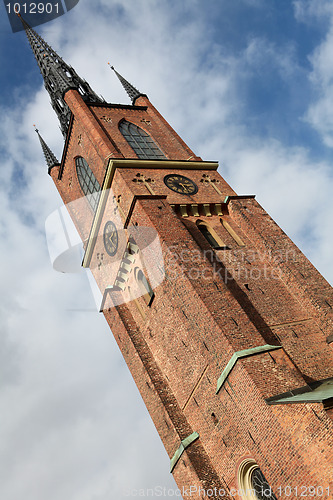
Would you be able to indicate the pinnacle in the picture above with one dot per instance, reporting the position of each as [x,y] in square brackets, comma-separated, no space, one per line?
[131,91]
[50,158]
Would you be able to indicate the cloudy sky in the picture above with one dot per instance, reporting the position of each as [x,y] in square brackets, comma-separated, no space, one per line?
[246,82]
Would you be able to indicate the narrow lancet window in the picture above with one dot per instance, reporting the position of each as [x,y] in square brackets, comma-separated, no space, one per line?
[142,144]
[144,287]
[211,236]
[88,182]
[232,233]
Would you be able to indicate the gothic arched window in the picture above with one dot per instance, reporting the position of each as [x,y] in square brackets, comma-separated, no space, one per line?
[211,236]
[252,482]
[142,144]
[144,287]
[88,182]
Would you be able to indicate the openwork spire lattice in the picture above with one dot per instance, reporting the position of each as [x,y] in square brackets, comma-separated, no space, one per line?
[50,158]
[132,92]
[58,77]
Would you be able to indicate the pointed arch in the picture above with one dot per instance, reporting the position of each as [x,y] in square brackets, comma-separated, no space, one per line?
[144,286]
[232,233]
[141,142]
[88,182]
[211,236]
[252,483]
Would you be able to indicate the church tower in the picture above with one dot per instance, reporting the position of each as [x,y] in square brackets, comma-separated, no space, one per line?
[224,324]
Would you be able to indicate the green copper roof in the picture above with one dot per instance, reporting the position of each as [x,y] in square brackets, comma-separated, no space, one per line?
[242,354]
[185,443]
[315,392]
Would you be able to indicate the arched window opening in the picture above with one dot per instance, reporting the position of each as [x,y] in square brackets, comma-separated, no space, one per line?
[232,233]
[88,182]
[49,82]
[142,144]
[252,482]
[144,287]
[211,236]
[59,105]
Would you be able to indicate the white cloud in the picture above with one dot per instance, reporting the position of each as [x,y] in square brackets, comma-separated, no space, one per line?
[73,423]
[320,110]
[308,11]
[262,54]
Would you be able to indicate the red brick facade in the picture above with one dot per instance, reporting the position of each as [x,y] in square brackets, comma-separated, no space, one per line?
[257,289]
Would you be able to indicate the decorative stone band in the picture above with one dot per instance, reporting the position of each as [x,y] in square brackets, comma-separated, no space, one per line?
[242,354]
[227,199]
[197,209]
[207,209]
[137,198]
[107,290]
[185,443]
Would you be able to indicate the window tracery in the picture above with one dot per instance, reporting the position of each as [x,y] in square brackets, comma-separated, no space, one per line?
[88,182]
[142,144]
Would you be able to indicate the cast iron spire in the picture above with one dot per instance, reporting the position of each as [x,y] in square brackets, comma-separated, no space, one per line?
[58,77]
[51,160]
[132,92]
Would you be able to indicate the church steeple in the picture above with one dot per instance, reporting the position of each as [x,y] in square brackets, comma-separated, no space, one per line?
[58,77]
[50,158]
[132,92]
[219,342]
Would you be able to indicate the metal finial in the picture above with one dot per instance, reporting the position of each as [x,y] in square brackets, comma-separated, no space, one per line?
[131,91]
[50,158]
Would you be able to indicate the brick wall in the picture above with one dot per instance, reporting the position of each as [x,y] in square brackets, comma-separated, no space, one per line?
[259,289]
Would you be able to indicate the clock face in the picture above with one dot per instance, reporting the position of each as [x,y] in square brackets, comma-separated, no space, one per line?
[110,238]
[180,184]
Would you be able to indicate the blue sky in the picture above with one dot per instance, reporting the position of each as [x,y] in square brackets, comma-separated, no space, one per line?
[246,82]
